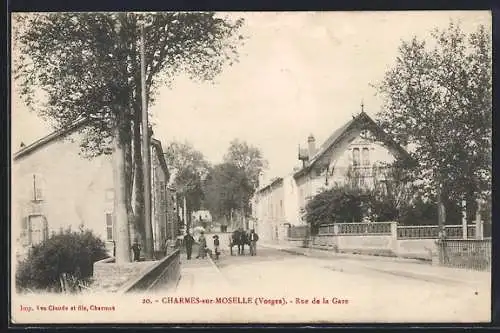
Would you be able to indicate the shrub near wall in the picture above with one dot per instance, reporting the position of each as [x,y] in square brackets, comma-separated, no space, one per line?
[67,253]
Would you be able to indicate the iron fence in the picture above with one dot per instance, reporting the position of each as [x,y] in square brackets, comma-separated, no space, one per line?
[465,253]
[327,229]
[299,231]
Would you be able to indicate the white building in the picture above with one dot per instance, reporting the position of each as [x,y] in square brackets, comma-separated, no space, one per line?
[358,148]
[55,188]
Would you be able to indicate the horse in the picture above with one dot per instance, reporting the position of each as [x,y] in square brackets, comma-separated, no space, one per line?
[239,238]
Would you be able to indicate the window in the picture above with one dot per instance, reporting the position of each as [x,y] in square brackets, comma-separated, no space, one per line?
[109,226]
[37,229]
[366,156]
[37,184]
[355,157]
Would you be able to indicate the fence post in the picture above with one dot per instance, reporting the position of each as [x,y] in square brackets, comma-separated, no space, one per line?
[479,230]
[394,237]
[335,229]
[394,230]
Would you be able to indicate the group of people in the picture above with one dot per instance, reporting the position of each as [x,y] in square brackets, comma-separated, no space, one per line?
[238,238]
[203,249]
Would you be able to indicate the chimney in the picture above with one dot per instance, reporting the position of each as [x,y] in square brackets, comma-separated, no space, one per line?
[262,179]
[311,146]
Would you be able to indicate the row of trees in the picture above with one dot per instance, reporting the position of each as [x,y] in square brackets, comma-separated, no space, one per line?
[71,66]
[222,188]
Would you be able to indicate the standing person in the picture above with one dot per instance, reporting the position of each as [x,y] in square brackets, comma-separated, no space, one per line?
[188,241]
[202,250]
[241,241]
[253,242]
[216,246]
[136,249]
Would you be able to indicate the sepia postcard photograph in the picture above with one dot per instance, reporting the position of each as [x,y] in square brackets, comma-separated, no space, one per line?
[251,167]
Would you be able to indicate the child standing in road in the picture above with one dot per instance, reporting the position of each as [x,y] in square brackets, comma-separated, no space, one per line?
[216,246]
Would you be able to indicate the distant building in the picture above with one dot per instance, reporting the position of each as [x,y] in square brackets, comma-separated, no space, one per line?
[201,216]
[55,188]
[353,152]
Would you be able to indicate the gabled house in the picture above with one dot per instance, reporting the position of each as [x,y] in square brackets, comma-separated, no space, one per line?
[357,152]
[55,188]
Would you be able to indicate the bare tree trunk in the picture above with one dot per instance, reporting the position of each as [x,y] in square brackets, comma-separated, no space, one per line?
[139,177]
[120,207]
[129,176]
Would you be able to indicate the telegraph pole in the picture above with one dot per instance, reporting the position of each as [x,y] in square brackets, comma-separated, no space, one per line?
[184,211]
[148,248]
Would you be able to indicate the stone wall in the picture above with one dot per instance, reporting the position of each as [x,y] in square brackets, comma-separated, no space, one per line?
[110,276]
[379,239]
[163,274]
[416,248]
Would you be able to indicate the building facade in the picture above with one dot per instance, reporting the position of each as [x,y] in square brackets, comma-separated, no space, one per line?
[54,188]
[358,152]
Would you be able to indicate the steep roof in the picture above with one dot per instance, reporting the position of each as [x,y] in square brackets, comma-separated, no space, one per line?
[75,126]
[56,135]
[275,181]
[161,157]
[363,120]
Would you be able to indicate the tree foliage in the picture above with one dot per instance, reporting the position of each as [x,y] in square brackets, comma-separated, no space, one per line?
[340,204]
[86,62]
[247,158]
[69,66]
[70,252]
[190,168]
[438,97]
[390,195]
[227,187]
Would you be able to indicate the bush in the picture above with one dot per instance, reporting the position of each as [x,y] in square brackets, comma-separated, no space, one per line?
[336,205]
[70,254]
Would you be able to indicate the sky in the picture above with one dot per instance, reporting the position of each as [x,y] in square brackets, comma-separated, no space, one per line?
[299,73]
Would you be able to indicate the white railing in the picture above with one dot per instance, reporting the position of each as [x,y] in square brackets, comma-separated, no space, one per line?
[432,231]
[373,228]
[385,228]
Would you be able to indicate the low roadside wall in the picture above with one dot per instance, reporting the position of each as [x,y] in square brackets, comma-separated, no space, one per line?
[110,276]
[164,274]
[373,244]
[416,248]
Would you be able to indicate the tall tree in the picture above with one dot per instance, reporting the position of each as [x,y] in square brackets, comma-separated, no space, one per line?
[70,66]
[247,158]
[226,187]
[190,168]
[438,97]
